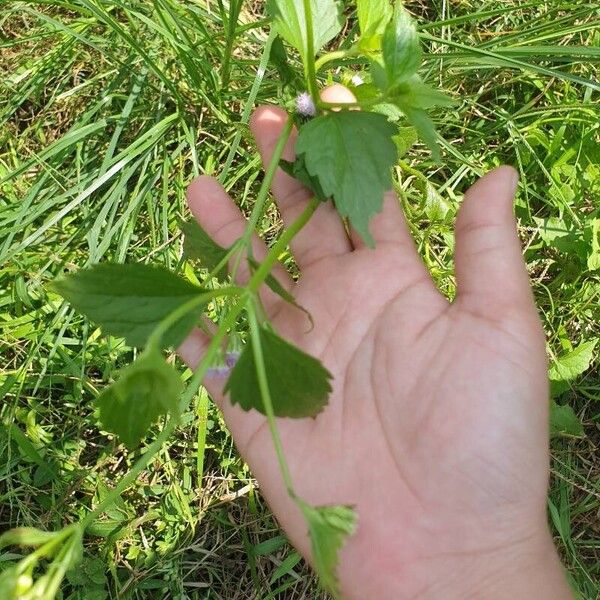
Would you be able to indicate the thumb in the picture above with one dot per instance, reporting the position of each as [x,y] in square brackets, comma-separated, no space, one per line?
[490,271]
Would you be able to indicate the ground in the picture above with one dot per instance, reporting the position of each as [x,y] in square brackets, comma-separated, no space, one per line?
[108,110]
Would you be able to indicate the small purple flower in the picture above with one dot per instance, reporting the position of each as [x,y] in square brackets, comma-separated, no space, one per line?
[231,358]
[222,371]
[305,105]
[219,372]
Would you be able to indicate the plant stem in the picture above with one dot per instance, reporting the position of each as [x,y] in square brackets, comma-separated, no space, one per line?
[229,321]
[172,318]
[281,244]
[336,55]
[309,58]
[266,398]
[263,193]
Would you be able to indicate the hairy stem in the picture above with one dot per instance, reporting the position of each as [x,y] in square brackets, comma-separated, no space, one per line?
[266,398]
[263,193]
[309,58]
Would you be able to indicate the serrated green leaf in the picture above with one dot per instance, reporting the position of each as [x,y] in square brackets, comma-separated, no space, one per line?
[298,171]
[298,383]
[351,154]
[328,528]
[417,94]
[143,392]
[131,300]
[290,21]
[197,244]
[373,16]
[574,363]
[563,420]
[400,46]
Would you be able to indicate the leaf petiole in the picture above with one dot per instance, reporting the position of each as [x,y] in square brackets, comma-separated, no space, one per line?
[309,58]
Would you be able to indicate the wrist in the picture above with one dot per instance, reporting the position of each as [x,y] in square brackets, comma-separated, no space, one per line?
[528,569]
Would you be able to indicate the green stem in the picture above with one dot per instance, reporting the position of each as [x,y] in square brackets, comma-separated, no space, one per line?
[266,398]
[309,59]
[336,55]
[263,193]
[211,352]
[172,318]
[282,243]
[348,105]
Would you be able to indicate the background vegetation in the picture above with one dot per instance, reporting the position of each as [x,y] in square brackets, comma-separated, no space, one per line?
[108,108]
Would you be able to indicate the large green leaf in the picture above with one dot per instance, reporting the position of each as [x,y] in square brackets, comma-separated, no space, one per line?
[328,528]
[400,47]
[131,300]
[145,390]
[351,154]
[373,16]
[290,22]
[298,383]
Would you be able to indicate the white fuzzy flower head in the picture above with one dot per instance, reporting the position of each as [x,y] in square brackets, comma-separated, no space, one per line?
[357,80]
[305,105]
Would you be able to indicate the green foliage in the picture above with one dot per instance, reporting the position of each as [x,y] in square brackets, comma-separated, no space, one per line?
[328,528]
[145,390]
[107,114]
[573,363]
[25,536]
[290,22]
[351,155]
[401,48]
[200,246]
[564,421]
[373,16]
[298,383]
[131,300]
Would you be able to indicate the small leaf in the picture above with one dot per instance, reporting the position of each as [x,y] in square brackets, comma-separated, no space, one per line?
[563,420]
[144,391]
[420,120]
[279,59]
[373,16]
[25,536]
[328,528]
[290,22]
[298,171]
[199,245]
[417,94]
[351,154]
[298,383]
[400,46]
[574,363]
[274,285]
[405,140]
[131,300]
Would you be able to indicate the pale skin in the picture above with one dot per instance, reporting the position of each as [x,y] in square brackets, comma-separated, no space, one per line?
[437,427]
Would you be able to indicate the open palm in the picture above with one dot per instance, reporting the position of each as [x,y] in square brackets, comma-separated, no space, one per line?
[436,429]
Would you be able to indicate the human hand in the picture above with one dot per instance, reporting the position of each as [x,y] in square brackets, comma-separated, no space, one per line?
[437,427]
